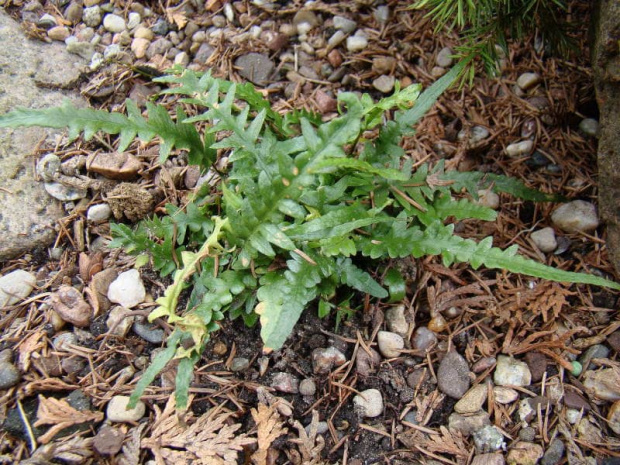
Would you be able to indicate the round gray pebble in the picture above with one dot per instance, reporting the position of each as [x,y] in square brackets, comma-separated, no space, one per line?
[9,375]
[307,387]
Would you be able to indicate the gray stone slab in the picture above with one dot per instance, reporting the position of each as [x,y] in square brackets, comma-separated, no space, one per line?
[35,75]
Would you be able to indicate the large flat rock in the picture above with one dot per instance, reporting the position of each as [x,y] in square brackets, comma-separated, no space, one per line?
[35,75]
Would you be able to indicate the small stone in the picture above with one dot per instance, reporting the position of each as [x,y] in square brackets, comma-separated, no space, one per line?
[473,400]
[504,395]
[524,453]
[9,375]
[335,58]
[382,14]
[255,67]
[336,39]
[120,166]
[285,382]
[383,64]
[488,198]
[528,80]
[554,453]
[74,13]
[139,47]
[72,364]
[127,289]
[365,363]
[518,149]
[98,213]
[526,412]
[488,459]
[59,33]
[573,416]
[613,417]
[396,321]
[324,359]
[47,22]
[118,324]
[603,384]
[424,339]
[158,47]
[133,20]
[468,424]
[204,53]
[16,286]
[595,351]
[527,434]
[143,33]
[453,375]
[117,411]
[238,363]
[49,167]
[85,50]
[613,340]
[511,372]
[345,25]
[325,103]
[545,240]
[488,439]
[69,304]
[92,16]
[64,193]
[384,83]
[444,57]
[356,43]
[576,401]
[307,387]
[306,16]
[114,23]
[148,331]
[589,127]
[182,59]
[483,364]
[537,364]
[369,403]
[108,440]
[161,27]
[390,344]
[576,216]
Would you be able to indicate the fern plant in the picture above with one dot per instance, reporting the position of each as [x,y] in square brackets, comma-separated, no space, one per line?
[302,205]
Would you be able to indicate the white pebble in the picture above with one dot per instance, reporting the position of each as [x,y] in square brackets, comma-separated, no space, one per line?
[511,372]
[589,126]
[488,198]
[336,39]
[396,320]
[369,403]
[576,216]
[343,24]
[356,43]
[127,289]
[545,239]
[114,23]
[228,12]
[520,148]
[528,80]
[117,411]
[390,344]
[15,286]
[134,20]
[117,322]
[444,57]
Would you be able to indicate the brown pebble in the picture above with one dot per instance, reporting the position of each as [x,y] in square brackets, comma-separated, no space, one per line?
[335,58]
[108,440]
[483,364]
[614,341]
[537,363]
[365,363]
[576,401]
[219,348]
[324,102]
[71,306]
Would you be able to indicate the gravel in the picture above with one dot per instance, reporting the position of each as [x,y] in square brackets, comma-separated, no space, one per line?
[554,453]
[149,332]
[307,387]
[384,84]
[589,127]
[285,382]
[117,411]
[369,403]
[424,339]
[324,359]
[356,43]
[453,375]
[444,57]
[9,375]
[518,149]
[473,400]
[114,23]
[528,80]
[16,286]
[488,439]
[98,213]
[127,289]
[468,424]
[545,240]
[255,67]
[69,304]
[396,321]
[239,364]
[576,216]
[390,344]
[511,372]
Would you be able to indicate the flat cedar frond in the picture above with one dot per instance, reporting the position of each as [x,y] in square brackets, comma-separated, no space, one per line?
[60,414]
[269,427]
[446,443]
[130,454]
[74,450]
[208,439]
[309,444]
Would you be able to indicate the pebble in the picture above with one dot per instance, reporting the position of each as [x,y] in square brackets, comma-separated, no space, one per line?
[545,240]
[92,16]
[524,453]
[324,359]
[16,286]
[143,33]
[149,332]
[595,351]
[366,364]
[9,375]
[127,289]
[384,83]
[336,39]
[382,14]
[46,22]
[116,323]
[537,363]
[511,372]
[603,384]
[554,453]
[483,364]
[453,375]
[573,416]
[468,424]
[424,339]
[306,16]
[255,67]
[59,33]
[325,102]
[133,20]
[576,216]
[48,167]
[85,50]
[65,193]
[613,417]
[589,127]
[74,13]
[444,57]
[518,149]
[69,304]
[114,23]
[488,198]
[73,364]
[488,459]
[139,47]
[117,411]
[307,387]
[109,440]
[64,340]
[396,321]
[527,434]
[98,213]
[473,400]
[160,27]
[112,51]
[6,356]
[488,439]
[613,340]
[356,43]
[383,64]
[528,80]
[504,395]
[285,382]
[238,363]
[573,400]
[369,403]
[390,344]
[203,53]
[158,47]
[343,24]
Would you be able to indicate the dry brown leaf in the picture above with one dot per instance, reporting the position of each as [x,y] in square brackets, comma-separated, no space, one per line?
[177,17]
[208,440]
[310,444]
[31,344]
[446,443]
[269,428]
[130,455]
[75,450]
[59,413]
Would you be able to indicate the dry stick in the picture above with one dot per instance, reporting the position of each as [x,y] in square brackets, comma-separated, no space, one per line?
[24,418]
